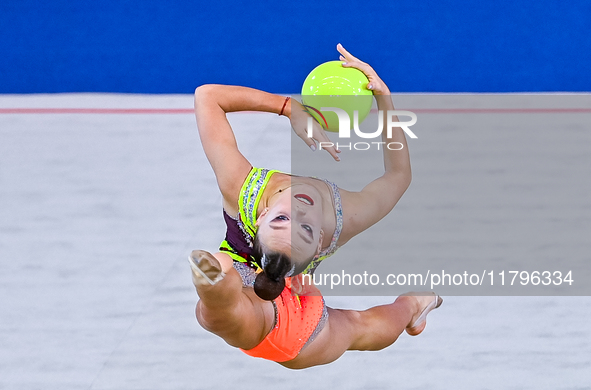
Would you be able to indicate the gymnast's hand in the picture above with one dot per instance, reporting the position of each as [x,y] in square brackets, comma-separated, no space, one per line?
[376,85]
[299,122]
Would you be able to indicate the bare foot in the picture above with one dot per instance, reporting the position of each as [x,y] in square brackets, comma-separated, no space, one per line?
[206,268]
[425,303]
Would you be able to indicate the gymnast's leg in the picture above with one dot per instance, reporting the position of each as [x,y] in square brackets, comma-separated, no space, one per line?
[226,308]
[368,330]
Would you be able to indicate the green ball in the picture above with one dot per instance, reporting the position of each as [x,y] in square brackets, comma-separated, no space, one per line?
[332,85]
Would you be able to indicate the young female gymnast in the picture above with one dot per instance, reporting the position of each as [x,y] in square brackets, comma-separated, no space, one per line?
[280,227]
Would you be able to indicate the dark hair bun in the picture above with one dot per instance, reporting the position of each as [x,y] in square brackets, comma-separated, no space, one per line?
[269,283]
[266,288]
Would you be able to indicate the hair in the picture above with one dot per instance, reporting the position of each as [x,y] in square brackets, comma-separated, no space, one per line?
[269,283]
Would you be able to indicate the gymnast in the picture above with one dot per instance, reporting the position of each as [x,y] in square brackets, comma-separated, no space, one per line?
[252,292]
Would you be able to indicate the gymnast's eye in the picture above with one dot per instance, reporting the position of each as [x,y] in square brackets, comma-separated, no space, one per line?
[308,229]
[281,218]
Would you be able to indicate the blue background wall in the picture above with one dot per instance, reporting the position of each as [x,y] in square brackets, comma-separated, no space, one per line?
[173,46]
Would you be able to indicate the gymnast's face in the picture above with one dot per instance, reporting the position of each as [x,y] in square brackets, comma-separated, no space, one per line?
[292,224]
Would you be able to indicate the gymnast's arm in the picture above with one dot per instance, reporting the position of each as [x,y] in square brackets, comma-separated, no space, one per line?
[365,208]
[212,102]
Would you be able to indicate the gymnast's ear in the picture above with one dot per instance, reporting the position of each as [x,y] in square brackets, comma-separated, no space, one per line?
[260,217]
[319,249]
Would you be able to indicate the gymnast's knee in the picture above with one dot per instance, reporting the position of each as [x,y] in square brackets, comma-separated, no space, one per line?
[211,320]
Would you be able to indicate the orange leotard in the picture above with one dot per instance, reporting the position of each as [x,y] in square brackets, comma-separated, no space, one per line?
[297,322]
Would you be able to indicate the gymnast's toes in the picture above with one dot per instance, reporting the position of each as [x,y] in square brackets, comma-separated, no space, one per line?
[206,268]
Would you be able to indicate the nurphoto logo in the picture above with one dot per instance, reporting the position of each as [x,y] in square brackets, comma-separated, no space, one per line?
[345,128]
